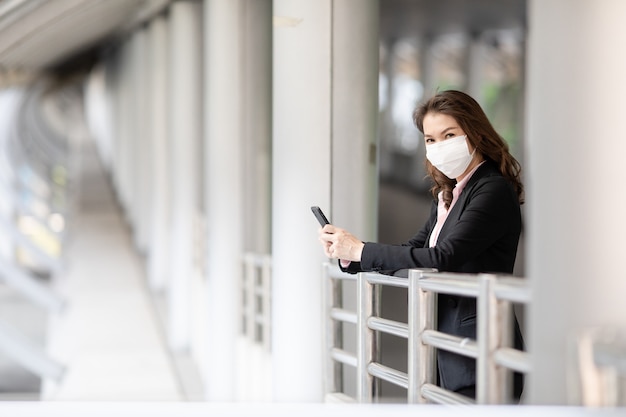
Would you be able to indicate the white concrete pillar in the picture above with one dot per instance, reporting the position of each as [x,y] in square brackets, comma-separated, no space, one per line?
[131,126]
[185,131]
[325,80]
[574,179]
[257,123]
[354,181]
[141,140]
[158,264]
[113,85]
[427,67]
[123,140]
[238,158]
[224,190]
[475,66]
[387,128]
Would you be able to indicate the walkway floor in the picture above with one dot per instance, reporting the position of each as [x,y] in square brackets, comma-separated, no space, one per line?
[109,337]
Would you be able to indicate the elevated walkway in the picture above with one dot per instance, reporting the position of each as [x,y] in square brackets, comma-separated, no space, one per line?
[109,336]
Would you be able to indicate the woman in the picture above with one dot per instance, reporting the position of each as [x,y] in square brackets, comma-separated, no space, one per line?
[474,225]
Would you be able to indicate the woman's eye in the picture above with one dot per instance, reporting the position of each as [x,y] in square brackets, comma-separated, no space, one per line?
[450,135]
[430,140]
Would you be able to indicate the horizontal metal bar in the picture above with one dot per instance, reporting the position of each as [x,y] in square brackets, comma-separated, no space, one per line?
[516,290]
[24,282]
[450,276]
[28,355]
[345,316]
[257,260]
[259,290]
[462,346]
[388,326]
[343,356]
[455,286]
[440,395]
[513,359]
[387,280]
[338,397]
[391,375]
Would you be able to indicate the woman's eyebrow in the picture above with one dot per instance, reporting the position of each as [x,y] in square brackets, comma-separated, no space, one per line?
[443,132]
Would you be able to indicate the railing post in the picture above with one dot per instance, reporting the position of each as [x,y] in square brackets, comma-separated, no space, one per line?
[421,360]
[365,339]
[331,297]
[248,298]
[487,384]
[505,379]
[266,276]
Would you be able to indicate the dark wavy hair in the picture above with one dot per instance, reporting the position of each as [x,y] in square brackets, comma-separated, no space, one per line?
[480,133]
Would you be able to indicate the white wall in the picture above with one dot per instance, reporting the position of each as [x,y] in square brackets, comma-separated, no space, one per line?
[574,177]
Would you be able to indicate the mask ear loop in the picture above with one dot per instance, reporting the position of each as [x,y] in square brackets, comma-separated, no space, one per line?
[475,147]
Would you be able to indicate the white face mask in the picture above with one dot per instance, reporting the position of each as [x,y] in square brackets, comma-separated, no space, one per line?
[451,156]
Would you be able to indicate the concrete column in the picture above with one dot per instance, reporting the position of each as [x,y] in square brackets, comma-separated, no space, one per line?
[257,123]
[224,190]
[123,150]
[354,107]
[574,178]
[238,160]
[325,112]
[131,142]
[141,140]
[387,126]
[474,66]
[113,86]
[185,131]
[427,66]
[160,172]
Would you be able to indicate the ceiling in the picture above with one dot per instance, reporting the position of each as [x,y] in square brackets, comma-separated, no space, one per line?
[38,34]
[423,18]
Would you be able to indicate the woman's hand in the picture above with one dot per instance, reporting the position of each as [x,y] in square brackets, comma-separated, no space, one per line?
[340,244]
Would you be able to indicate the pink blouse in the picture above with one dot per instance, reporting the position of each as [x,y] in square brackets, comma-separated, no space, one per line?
[442,213]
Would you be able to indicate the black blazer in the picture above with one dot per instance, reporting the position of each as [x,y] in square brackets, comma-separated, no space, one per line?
[481,234]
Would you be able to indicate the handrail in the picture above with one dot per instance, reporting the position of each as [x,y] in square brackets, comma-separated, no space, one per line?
[336,315]
[490,349]
[31,357]
[22,281]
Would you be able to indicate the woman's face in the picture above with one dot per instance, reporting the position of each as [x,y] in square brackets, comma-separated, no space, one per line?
[439,127]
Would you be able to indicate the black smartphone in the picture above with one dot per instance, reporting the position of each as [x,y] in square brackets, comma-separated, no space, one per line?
[319,214]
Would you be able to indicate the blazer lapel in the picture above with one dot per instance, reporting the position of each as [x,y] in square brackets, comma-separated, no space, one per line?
[485,170]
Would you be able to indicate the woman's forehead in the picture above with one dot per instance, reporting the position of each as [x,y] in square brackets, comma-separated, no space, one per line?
[437,122]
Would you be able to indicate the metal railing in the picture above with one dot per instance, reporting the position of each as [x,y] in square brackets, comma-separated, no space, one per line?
[34,196]
[334,318]
[256,298]
[494,357]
